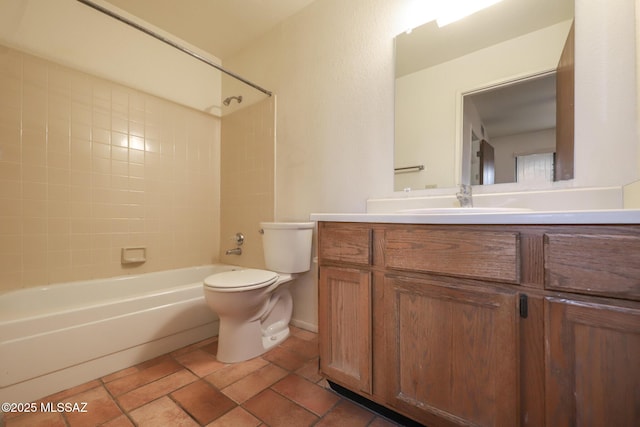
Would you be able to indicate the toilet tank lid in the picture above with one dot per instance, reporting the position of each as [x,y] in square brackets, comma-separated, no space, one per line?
[287,225]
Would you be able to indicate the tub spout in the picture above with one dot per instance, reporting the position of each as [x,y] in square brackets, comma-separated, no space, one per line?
[236,251]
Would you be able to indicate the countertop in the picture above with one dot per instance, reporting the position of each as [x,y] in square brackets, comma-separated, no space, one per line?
[609,216]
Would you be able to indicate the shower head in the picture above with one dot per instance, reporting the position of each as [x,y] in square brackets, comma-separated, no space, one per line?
[227,101]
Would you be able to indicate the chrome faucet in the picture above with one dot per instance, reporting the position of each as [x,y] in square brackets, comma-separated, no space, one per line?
[239,239]
[465,198]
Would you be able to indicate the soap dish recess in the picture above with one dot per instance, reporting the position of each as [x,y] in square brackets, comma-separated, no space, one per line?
[136,255]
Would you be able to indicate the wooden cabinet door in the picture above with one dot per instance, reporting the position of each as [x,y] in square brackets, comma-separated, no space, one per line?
[593,364]
[344,325]
[452,351]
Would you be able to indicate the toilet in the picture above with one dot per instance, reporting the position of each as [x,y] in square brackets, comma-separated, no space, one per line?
[255,306]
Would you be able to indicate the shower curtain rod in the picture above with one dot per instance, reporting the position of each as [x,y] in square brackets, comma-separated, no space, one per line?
[172,44]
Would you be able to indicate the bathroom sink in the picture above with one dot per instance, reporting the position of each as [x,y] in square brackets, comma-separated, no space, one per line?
[450,211]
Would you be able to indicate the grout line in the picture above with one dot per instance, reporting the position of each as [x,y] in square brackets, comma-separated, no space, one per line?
[115,400]
[198,346]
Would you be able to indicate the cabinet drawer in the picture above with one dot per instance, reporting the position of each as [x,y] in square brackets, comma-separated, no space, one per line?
[345,243]
[597,264]
[493,255]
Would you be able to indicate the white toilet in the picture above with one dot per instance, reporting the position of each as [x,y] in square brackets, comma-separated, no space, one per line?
[254,306]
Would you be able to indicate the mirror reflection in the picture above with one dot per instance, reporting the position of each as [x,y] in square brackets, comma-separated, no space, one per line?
[441,71]
[511,131]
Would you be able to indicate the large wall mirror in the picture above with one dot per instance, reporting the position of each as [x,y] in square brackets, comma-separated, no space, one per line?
[476,99]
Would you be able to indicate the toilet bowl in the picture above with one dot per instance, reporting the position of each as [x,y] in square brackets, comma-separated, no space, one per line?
[254,305]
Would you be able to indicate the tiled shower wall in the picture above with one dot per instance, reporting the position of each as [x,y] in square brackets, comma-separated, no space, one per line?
[88,167]
[247,179]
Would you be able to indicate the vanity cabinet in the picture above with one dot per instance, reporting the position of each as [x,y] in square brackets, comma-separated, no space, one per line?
[345,352]
[486,325]
[345,320]
[593,344]
[593,363]
[452,353]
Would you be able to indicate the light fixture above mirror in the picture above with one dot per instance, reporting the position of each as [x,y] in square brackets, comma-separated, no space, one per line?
[443,12]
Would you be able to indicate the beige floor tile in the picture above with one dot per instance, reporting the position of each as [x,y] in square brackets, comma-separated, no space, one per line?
[154,390]
[276,410]
[57,397]
[121,421]
[233,372]
[99,408]
[304,334]
[254,383]
[189,387]
[306,394]
[37,419]
[346,413]
[285,358]
[162,412]
[307,349]
[311,370]
[144,376]
[203,401]
[200,362]
[237,417]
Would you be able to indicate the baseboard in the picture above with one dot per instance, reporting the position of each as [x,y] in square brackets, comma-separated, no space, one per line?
[304,325]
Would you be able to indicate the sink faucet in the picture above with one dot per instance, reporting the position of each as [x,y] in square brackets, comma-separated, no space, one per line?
[464,196]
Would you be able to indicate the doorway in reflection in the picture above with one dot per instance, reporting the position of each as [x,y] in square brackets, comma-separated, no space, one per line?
[509,128]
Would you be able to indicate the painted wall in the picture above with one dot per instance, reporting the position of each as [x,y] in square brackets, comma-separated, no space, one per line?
[508,147]
[332,68]
[606,127]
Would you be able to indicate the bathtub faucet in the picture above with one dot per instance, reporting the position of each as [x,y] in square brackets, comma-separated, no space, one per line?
[239,239]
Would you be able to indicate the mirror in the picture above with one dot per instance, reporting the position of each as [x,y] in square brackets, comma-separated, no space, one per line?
[509,132]
[436,68]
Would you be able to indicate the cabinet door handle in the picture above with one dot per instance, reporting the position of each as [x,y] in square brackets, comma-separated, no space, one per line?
[524,306]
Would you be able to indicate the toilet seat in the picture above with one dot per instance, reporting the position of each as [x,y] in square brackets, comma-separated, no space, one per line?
[241,280]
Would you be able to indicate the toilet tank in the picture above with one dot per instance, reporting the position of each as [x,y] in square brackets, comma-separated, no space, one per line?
[287,246]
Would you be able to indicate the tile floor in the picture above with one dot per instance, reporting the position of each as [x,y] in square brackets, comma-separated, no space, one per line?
[189,387]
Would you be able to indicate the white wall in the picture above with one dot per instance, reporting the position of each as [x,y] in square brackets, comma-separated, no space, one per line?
[606,126]
[638,85]
[331,66]
[508,147]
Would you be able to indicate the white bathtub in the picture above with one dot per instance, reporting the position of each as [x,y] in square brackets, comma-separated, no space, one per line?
[56,337]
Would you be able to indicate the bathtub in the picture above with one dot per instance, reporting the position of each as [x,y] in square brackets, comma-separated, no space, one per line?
[56,337]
